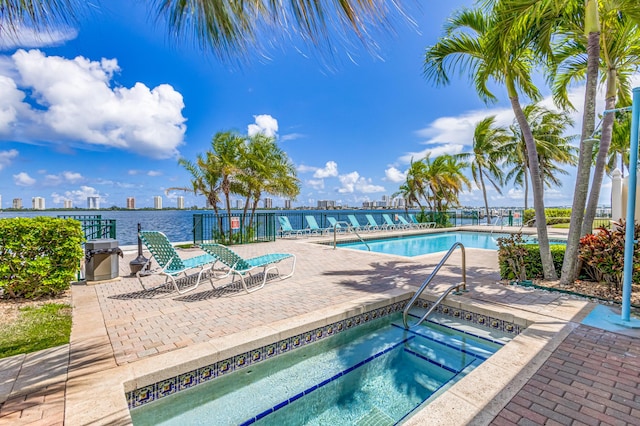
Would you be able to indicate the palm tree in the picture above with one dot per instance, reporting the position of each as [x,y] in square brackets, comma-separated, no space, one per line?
[445,179]
[229,27]
[205,180]
[619,59]
[487,149]
[620,139]
[472,42]
[413,188]
[538,23]
[266,168]
[553,146]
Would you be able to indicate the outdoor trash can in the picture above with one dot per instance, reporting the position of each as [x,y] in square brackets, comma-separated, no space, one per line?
[101,259]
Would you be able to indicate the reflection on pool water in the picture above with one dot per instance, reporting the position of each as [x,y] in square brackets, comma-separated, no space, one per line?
[376,373]
[416,245]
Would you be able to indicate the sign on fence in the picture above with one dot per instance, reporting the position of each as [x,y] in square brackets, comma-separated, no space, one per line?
[235,223]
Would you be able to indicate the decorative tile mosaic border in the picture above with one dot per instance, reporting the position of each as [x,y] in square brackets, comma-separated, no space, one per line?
[158,390]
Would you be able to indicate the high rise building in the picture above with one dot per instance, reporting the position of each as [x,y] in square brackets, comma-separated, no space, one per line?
[157,202]
[239,204]
[268,203]
[180,202]
[0,202]
[17,203]
[93,203]
[68,204]
[287,204]
[37,203]
[131,203]
[326,204]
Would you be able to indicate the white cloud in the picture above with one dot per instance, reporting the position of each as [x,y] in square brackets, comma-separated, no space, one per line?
[434,151]
[22,36]
[352,182]
[264,124]
[305,169]
[72,177]
[64,177]
[291,137]
[394,175]
[23,179]
[6,157]
[316,184]
[76,104]
[78,196]
[154,173]
[330,170]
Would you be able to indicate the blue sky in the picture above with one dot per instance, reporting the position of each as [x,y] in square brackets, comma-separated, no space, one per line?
[105,109]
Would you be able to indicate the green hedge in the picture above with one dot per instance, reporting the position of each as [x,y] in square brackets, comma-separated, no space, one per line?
[532,262]
[38,256]
[553,216]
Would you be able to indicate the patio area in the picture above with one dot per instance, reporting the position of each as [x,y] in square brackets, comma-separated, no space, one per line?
[557,371]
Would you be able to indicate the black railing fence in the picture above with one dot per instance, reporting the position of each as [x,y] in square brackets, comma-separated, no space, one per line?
[234,229]
[94,226]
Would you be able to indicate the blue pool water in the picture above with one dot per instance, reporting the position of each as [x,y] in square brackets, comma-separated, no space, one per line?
[417,245]
[377,373]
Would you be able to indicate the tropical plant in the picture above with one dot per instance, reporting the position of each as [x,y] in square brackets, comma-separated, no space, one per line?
[620,141]
[230,28]
[474,43]
[552,144]
[445,179]
[619,59]
[488,141]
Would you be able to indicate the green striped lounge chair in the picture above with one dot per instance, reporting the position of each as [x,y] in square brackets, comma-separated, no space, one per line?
[170,264]
[241,267]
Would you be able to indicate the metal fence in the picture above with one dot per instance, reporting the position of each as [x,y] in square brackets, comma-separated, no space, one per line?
[234,229]
[94,226]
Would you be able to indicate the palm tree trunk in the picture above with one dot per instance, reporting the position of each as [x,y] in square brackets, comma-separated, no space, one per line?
[570,263]
[484,194]
[526,189]
[601,159]
[536,183]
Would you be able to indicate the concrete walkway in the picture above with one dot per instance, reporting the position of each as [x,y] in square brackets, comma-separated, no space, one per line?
[121,329]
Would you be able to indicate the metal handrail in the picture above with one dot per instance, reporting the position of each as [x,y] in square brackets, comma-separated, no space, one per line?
[426,282]
[335,228]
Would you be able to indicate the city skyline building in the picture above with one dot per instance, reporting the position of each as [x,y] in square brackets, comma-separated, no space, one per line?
[287,204]
[16,203]
[131,203]
[0,202]
[68,204]
[180,202]
[268,203]
[239,204]
[157,202]
[37,203]
[326,204]
[93,203]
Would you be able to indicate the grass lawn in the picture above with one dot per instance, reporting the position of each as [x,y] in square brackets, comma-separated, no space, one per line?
[36,328]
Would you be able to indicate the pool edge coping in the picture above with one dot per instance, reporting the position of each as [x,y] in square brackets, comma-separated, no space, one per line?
[111,381]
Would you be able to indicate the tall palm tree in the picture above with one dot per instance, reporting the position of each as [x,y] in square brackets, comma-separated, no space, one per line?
[472,43]
[554,147]
[488,141]
[540,22]
[228,27]
[413,188]
[619,59]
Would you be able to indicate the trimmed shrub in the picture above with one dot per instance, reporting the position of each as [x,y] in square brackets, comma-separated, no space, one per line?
[520,261]
[38,256]
[602,255]
[553,216]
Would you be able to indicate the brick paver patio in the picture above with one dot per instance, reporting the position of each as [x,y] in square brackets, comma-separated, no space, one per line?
[592,377]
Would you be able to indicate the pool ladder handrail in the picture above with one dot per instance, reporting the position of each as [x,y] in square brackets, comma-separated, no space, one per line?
[426,282]
[349,227]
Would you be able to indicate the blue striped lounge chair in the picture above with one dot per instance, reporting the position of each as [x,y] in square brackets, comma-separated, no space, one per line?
[286,230]
[390,224]
[406,224]
[171,265]
[237,266]
[355,224]
[314,228]
[413,219]
[373,225]
[335,225]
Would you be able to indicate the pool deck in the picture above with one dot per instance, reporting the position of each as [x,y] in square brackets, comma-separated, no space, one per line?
[558,371]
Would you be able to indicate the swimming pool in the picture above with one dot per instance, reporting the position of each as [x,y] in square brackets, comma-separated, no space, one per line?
[416,245]
[376,372]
